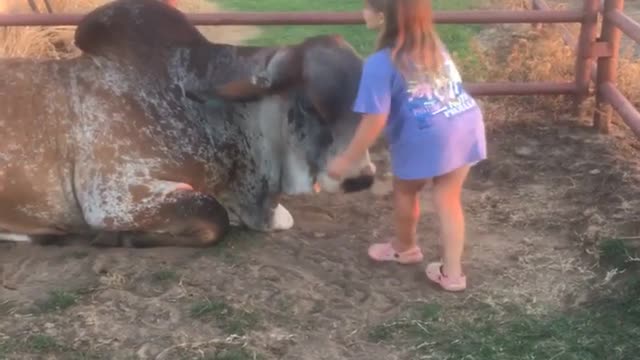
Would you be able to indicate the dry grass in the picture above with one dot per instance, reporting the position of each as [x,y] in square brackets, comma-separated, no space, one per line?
[57,42]
[629,75]
[520,53]
[40,41]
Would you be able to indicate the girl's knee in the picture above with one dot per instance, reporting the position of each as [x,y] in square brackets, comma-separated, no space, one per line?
[447,191]
[409,187]
[452,180]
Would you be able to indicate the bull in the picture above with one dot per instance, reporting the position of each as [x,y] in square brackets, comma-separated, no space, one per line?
[154,136]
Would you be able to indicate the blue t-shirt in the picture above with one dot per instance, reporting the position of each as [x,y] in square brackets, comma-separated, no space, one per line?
[433,126]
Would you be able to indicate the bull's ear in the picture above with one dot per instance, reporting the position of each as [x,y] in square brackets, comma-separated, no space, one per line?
[326,68]
[245,89]
[331,73]
[283,70]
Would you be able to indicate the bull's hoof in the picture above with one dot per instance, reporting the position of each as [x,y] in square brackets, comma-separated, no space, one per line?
[282,219]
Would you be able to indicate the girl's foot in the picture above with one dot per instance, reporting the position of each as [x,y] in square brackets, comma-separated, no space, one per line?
[385,252]
[434,273]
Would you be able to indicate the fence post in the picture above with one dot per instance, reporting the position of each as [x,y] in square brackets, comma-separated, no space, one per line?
[607,66]
[585,53]
[534,6]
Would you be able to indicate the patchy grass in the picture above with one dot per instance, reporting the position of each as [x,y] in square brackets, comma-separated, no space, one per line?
[233,245]
[164,276]
[617,254]
[231,320]
[233,354]
[457,37]
[605,327]
[43,345]
[57,300]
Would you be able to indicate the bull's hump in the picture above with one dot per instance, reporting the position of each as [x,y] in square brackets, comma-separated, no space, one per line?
[137,31]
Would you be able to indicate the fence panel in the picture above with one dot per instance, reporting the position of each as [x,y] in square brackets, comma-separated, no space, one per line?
[588,48]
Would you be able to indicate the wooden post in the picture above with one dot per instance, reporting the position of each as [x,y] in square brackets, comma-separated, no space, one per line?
[585,56]
[607,66]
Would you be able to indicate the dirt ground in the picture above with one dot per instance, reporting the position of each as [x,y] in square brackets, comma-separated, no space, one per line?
[311,293]
[535,209]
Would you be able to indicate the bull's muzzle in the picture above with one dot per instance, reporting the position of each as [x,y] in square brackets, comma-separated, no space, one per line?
[358,181]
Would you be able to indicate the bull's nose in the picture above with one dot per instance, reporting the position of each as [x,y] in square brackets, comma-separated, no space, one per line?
[360,183]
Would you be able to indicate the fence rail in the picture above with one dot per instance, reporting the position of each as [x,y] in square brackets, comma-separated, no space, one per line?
[318,18]
[626,24]
[596,57]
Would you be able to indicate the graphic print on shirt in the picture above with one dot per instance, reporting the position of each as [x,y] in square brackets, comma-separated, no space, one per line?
[442,94]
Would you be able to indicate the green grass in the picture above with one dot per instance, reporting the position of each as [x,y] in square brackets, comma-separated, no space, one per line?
[455,36]
[164,276]
[43,345]
[233,354]
[231,248]
[57,300]
[231,320]
[615,253]
[605,328]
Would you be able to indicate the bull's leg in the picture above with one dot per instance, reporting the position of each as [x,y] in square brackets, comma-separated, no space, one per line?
[281,218]
[169,215]
[188,219]
[264,215]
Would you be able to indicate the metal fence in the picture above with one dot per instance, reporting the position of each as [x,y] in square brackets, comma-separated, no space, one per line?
[596,56]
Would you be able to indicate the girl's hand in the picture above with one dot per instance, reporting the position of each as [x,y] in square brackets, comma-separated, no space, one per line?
[338,166]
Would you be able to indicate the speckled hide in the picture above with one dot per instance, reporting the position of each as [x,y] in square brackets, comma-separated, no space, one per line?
[110,143]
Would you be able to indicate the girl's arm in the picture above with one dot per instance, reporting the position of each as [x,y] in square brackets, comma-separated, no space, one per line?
[368,131]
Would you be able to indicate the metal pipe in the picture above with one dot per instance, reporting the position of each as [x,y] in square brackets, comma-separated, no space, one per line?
[317,18]
[622,106]
[629,27]
[526,88]
[585,59]
[567,36]
[607,66]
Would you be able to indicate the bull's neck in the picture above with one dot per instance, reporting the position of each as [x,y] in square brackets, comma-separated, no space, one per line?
[256,128]
[204,66]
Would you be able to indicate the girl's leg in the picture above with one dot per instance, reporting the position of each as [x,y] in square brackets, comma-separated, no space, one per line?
[403,248]
[406,212]
[447,197]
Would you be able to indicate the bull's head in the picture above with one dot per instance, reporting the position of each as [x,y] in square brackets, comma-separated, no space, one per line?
[318,81]
[315,81]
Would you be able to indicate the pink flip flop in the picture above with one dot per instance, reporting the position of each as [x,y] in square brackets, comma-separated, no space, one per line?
[385,252]
[434,273]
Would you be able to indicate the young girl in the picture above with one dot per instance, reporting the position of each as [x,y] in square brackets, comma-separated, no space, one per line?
[411,88]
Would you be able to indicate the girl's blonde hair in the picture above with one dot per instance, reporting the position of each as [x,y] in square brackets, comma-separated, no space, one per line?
[409,32]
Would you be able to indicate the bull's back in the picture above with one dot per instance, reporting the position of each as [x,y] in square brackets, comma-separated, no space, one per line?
[36,193]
